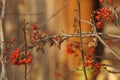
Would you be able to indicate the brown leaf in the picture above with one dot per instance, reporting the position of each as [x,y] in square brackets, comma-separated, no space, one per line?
[51,42]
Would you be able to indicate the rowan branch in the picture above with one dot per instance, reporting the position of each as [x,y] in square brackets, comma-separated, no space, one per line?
[4,75]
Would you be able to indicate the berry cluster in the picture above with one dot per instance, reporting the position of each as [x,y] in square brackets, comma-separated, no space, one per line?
[34,27]
[35,34]
[103,14]
[89,58]
[17,59]
[97,68]
[72,46]
[35,31]
[90,61]
[69,49]
[112,3]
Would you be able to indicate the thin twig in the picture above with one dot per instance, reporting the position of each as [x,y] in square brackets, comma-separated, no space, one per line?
[110,65]
[80,37]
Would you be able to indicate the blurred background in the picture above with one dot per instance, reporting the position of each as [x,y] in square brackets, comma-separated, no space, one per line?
[54,62]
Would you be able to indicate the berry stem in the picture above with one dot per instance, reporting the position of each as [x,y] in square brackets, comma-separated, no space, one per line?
[25,48]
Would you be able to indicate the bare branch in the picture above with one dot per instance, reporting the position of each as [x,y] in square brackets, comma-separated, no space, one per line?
[4,75]
[113,51]
[113,72]
[110,65]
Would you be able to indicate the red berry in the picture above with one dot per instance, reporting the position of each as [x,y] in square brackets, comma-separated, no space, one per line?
[98,18]
[20,61]
[92,50]
[35,37]
[34,27]
[99,25]
[86,64]
[115,5]
[27,53]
